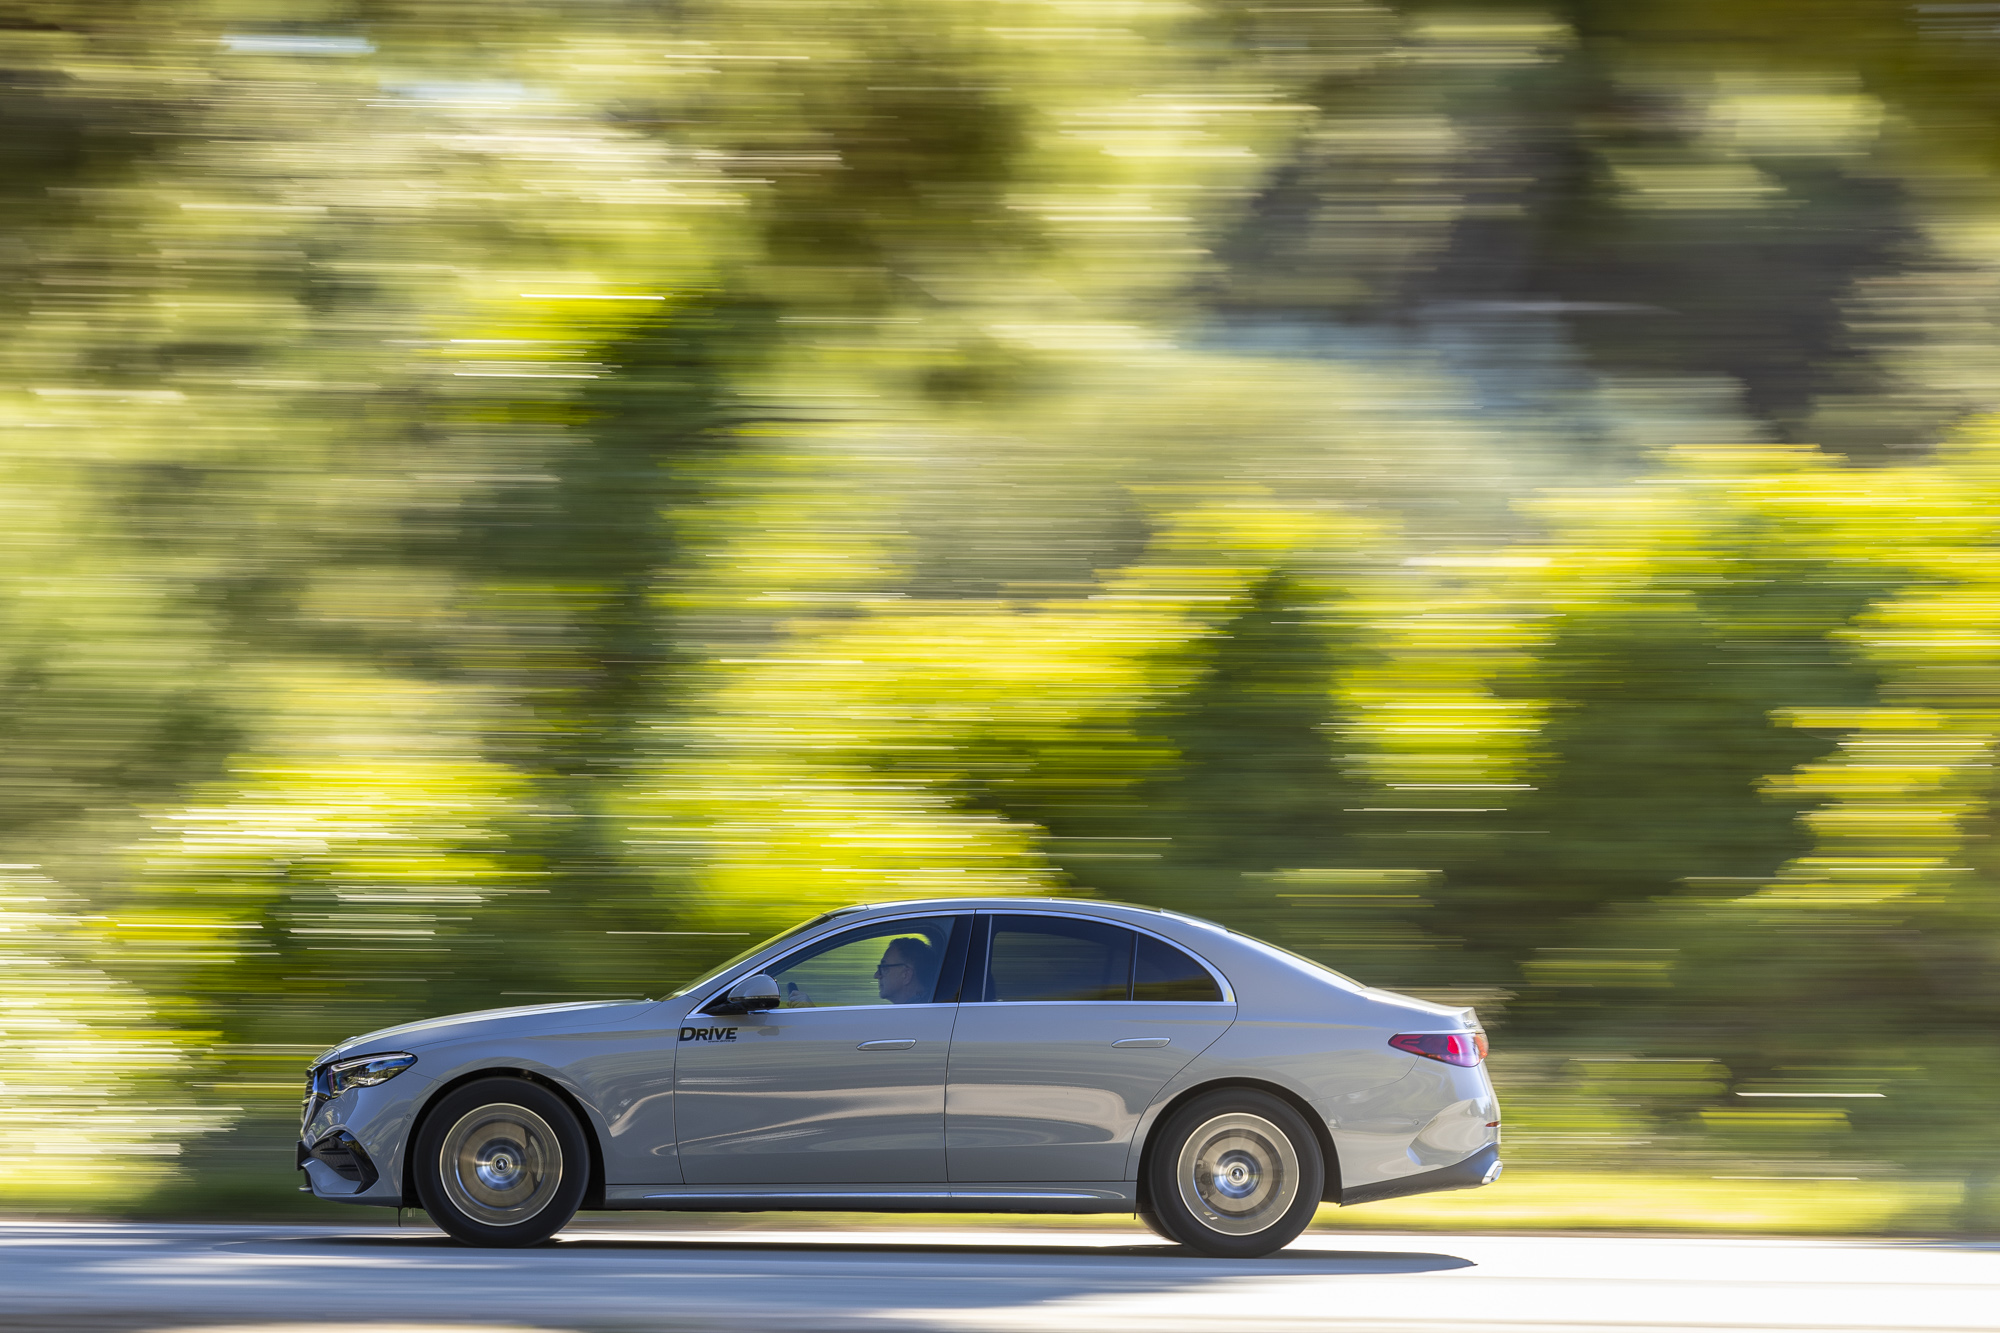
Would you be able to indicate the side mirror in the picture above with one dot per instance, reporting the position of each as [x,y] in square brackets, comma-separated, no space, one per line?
[755,992]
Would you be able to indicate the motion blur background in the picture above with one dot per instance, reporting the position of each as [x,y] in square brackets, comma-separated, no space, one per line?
[510,502]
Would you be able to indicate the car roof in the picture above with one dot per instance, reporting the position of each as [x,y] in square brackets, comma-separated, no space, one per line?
[1096,905]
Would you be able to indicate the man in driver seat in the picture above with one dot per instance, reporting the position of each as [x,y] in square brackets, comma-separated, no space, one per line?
[908,971]
[907,974]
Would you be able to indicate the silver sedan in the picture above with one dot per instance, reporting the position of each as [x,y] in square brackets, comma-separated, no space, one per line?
[968,1055]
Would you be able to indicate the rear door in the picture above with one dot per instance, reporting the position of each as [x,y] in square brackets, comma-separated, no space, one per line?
[1077,1025]
[842,1085]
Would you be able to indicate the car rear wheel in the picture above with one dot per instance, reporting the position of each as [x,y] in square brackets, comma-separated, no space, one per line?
[1235,1173]
[501,1162]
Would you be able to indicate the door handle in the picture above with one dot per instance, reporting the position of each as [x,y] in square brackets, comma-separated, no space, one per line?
[1128,1042]
[891,1044]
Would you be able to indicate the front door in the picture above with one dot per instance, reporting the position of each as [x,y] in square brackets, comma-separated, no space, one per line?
[842,1085]
[1079,1024]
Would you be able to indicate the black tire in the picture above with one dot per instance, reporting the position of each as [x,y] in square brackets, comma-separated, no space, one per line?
[1235,1173]
[501,1163]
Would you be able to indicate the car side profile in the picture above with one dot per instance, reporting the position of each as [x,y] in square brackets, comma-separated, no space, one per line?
[973,1055]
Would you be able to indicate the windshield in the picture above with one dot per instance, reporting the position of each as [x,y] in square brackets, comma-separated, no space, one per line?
[786,934]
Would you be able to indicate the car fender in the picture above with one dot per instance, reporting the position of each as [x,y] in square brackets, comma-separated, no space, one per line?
[1341,1072]
[528,1062]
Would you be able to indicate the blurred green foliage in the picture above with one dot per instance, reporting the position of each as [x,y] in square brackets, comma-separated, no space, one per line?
[511,502]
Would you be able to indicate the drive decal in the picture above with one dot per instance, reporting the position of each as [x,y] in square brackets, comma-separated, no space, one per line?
[708,1034]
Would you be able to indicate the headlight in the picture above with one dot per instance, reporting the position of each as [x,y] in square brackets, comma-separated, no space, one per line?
[364,1071]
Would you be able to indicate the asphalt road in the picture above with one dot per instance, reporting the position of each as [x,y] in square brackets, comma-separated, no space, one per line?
[109,1278]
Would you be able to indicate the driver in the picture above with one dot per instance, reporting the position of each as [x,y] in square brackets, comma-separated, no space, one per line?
[908,971]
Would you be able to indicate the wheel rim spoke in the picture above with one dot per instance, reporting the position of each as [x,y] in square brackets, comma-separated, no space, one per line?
[1238,1174]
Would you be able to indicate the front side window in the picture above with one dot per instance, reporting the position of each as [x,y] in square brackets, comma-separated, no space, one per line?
[755,949]
[892,962]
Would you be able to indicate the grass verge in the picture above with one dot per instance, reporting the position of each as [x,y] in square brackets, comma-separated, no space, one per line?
[1520,1201]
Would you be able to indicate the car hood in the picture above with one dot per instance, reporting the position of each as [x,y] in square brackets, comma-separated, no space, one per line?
[525,1021]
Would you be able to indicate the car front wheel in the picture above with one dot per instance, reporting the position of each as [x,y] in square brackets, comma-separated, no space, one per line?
[1235,1173]
[501,1162]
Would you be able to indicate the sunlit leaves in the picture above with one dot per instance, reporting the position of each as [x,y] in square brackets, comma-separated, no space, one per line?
[96,1085]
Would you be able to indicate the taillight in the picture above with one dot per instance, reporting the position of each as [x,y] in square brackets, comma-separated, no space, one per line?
[1454,1048]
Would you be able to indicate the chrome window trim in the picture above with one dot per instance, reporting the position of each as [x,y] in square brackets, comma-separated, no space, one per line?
[848,1009]
[1222,982]
[754,966]
[1022,1004]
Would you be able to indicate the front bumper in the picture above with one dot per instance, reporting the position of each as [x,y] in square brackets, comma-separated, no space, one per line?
[1482,1168]
[351,1147]
[341,1155]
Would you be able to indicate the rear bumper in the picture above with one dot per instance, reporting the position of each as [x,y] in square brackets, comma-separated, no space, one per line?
[1482,1168]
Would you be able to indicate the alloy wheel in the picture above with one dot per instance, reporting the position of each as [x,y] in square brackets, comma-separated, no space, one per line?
[501,1164]
[1238,1174]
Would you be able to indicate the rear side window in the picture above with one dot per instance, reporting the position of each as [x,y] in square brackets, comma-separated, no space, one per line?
[1058,958]
[1162,972]
[1051,958]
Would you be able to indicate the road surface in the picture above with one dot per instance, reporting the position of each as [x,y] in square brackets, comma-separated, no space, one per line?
[112,1278]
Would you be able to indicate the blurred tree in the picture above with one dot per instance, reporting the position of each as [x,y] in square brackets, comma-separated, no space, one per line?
[1684,616]
[1850,974]
[1765,197]
[1256,785]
